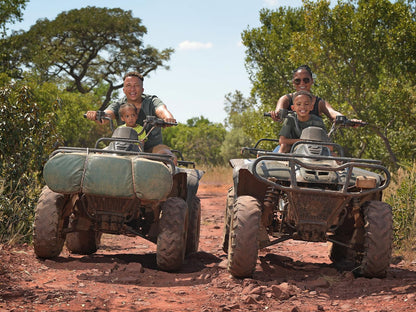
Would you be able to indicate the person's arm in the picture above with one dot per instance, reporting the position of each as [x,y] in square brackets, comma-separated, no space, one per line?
[163,113]
[282,103]
[286,139]
[326,109]
[92,115]
[286,144]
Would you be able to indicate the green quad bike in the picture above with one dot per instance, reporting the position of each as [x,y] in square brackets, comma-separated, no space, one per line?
[309,195]
[118,190]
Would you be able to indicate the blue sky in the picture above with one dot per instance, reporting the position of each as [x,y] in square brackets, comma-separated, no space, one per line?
[208,61]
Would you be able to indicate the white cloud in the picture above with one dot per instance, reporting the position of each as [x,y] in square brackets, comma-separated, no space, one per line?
[271,3]
[194,45]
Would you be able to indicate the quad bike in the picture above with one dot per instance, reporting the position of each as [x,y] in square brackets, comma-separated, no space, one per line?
[312,194]
[118,189]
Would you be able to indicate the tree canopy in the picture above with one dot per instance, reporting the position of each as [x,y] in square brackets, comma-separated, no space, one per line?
[198,140]
[85,48]
[10,12]
[362,53]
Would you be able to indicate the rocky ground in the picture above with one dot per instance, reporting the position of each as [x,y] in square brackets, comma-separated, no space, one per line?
[122,276]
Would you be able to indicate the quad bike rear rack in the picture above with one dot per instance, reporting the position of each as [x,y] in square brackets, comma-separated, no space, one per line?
[167,159]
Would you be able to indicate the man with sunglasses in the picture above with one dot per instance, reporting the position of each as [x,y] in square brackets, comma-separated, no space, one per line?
[302,81]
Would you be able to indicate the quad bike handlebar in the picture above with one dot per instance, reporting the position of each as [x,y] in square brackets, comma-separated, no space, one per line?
[283,112]
[339,122]
[343,121]
[100,116]
[150,121]
[154,121]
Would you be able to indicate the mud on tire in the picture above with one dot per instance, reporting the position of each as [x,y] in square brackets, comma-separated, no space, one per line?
[83,242]
[48,239]
[378,239]
[194,226]
[171,241]
[243,242]
[227,219]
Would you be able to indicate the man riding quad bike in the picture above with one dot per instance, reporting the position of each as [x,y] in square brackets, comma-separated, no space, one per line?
[118,190]
[313,194]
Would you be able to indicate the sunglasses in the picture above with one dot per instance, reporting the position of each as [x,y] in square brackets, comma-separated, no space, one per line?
[297,81]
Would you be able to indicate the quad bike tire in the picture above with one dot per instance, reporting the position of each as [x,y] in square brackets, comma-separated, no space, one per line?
[83,242]
[171,241]
[194,226]
[227,219]
[378,239]
[243,243]
[48,237]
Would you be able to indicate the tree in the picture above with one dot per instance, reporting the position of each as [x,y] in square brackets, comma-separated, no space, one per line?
[269,64]
[27,131]
[199,140]
[239,110]
[82,52]
[268,58]
[10,11]
[363,55]
[235,105]
[366,50]
[68,109]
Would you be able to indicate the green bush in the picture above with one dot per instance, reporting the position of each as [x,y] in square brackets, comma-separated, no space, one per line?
[27,135]
[401,195]
[17,211]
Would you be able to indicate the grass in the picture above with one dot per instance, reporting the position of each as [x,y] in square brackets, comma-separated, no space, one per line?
[401,195]
[217,175]
[17,212]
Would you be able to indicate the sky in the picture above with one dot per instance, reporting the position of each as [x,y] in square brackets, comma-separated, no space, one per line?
[208,61]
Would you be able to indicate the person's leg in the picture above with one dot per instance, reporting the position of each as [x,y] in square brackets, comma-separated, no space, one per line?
[285,148]
[163,149]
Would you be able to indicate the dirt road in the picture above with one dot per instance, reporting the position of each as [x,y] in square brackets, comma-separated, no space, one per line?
[122,276]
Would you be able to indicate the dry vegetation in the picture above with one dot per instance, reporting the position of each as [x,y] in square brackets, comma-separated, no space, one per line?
[217,175]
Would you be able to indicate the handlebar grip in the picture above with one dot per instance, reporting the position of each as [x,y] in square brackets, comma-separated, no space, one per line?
[171,123]
[357,123]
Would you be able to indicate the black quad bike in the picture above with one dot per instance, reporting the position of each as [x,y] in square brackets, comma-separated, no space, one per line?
[118,189]
[312,194]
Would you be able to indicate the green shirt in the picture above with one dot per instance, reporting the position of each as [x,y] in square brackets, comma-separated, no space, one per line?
[288,129]
[149,105]
[138,129]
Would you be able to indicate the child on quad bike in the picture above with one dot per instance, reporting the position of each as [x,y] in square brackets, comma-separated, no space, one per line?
[294,124]
[128,114]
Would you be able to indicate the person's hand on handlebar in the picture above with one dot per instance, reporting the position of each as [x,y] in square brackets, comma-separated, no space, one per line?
[357,123]
[170,122]
[275,115]
[343,121]
[92,115]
